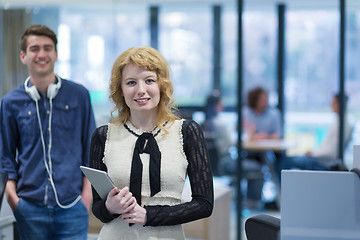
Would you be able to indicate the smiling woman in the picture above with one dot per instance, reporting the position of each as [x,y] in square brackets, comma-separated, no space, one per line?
[158,150]
[142,69]
[141,91]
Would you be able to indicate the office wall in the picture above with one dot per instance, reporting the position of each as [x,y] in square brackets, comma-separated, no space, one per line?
[13,72]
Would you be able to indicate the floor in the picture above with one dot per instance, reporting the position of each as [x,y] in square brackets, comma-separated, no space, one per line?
[269,194]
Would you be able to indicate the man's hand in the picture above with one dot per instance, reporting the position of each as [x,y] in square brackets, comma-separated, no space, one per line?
[86,194]
[11,194]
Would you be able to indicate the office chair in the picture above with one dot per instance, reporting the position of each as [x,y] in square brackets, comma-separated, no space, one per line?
[213,155]
[356,170]
[262,227]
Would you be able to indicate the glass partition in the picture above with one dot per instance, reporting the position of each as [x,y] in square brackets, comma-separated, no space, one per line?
[185,40]
[91,38]
[312,74]
[352,74]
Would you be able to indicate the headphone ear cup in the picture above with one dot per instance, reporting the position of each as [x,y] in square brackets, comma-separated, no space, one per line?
[33,93]
[52,90]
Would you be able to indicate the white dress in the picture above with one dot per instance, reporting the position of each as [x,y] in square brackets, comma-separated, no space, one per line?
[118,154]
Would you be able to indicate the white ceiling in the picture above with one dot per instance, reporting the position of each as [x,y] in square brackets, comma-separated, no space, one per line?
[306,4]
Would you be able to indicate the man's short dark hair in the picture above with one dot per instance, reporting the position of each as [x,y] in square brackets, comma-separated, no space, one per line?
[37,30]
[253,96]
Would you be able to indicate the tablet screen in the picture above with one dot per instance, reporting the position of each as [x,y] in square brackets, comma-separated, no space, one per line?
[100,180]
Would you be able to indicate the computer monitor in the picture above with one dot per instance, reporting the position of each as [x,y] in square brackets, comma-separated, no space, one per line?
[320,205]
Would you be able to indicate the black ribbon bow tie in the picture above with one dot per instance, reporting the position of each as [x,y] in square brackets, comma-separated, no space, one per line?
[154,166]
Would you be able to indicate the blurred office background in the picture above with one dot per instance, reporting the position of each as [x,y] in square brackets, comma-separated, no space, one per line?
[200,41]
[93,33]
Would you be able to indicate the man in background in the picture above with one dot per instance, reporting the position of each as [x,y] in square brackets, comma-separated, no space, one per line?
[46,127]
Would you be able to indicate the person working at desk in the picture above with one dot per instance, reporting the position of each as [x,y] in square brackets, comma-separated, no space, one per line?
[46,126]
[148,151]
[326,155]
[260,122]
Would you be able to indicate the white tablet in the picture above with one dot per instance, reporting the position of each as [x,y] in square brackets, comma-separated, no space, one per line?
[100,180]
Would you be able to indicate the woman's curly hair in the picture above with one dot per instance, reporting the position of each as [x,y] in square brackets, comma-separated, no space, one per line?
[153,61]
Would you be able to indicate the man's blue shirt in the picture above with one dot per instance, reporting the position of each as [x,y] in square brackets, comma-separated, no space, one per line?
[269,121]
[21,150]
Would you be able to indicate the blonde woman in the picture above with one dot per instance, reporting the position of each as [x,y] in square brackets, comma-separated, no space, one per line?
[148,152]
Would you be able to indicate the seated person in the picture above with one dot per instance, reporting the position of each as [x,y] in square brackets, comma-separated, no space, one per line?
[217,135]
[261,121]
[326,155]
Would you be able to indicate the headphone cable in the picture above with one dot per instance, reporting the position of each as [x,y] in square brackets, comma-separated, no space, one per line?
[49,166]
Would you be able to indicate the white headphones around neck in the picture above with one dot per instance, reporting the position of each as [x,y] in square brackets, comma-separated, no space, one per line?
[52,90]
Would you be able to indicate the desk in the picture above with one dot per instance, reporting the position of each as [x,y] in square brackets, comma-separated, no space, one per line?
[268,148]
[275,145]
[217,226]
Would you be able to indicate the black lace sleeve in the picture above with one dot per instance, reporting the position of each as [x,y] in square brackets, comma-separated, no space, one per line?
[201,181]
[96,155]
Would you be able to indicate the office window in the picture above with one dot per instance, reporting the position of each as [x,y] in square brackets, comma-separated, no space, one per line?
[185,40]
[229,40]
[312,76]
[259,52]
[91,38]
[352,59]
[352,75]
